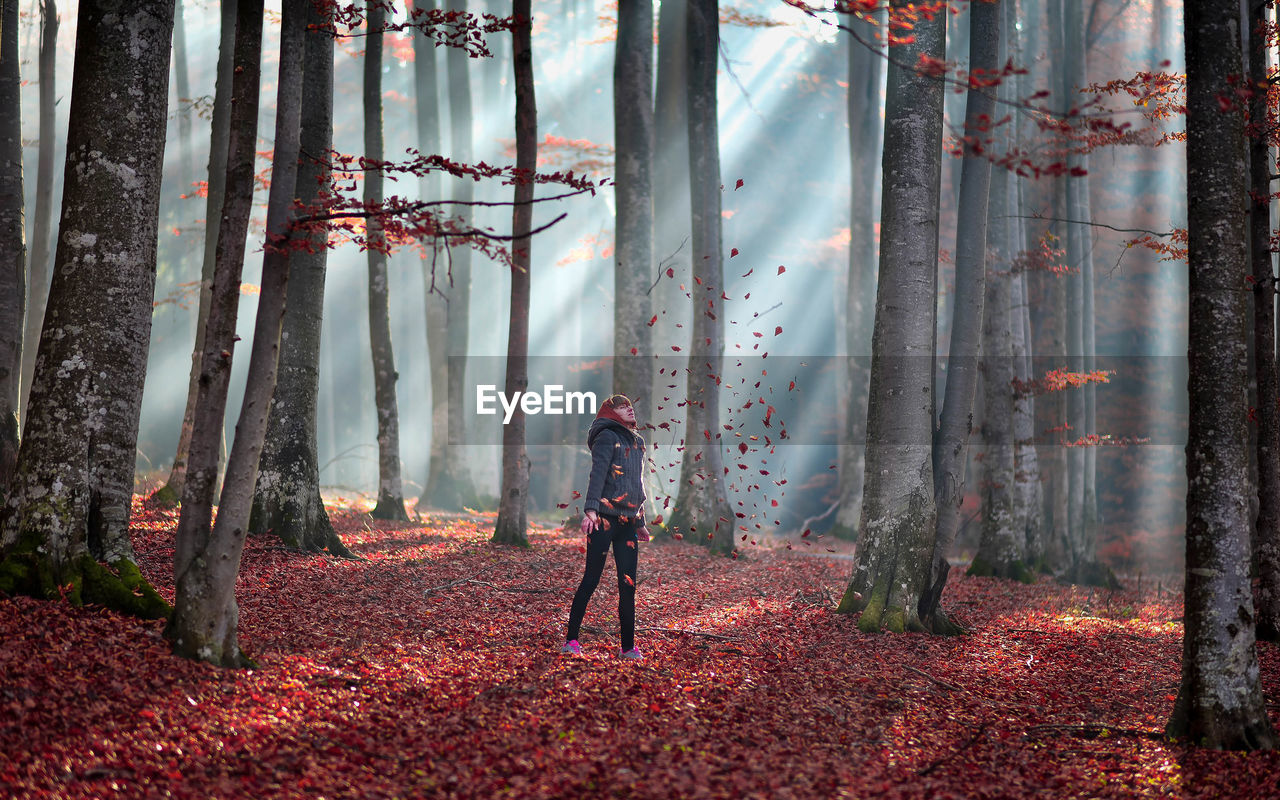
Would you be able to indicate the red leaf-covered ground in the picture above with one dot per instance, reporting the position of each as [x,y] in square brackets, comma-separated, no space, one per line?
[431,670]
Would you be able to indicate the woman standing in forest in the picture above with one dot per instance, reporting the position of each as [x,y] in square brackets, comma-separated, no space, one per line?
[613,515]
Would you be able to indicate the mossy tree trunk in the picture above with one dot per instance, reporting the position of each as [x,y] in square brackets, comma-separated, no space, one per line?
[702,505]
[69,504]
[207,561]
[898,512]
[287,502]
[1220,703]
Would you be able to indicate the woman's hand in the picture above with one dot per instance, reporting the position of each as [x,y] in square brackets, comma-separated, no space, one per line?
[590,522]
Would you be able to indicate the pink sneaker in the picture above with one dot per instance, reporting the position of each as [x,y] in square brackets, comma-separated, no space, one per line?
[633,654]
[571,648]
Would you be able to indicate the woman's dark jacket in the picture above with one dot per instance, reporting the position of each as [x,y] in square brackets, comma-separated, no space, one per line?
[616,484]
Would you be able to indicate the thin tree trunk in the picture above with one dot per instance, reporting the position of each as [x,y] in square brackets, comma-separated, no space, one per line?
[702,506]
[1220,703]
[449,484]
[390,491]
[427,107]
[513,502]
[951,442]
[1267,532]
[13,244]
[206,562]
[633,189]
[220,134]
[287,500]
[182,88]
[70,499]
[41,231]
[866,81]
[898,512]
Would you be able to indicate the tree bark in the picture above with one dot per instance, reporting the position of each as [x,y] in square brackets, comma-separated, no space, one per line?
[951,442]
[13,242]
[866,81]
[69,503]
[1220,703]
[513,503]
[206,562]
[1267,529]
[182,89]
[390,503]
[427,112]
[220,134]
[702,505]
[42,227]
[898,512]
[449,484]
[287,500]
[633,192]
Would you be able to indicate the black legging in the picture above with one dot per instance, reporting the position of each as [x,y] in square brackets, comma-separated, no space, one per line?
[622,535]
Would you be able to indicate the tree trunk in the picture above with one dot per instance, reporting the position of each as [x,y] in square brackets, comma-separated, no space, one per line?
[13,244]
[206,562]
[287,500]
[182,88]
[866,81]
[633,192]
[427,108]
[702,506]
[513,502]
[42,227]
[449,485]
[951,443]
[220,133]
[1220,703]
[1267,532]
[390,492]
[898,512]
[70,499]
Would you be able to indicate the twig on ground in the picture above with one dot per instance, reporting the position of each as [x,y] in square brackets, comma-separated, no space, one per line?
[1091,730]
[953,752]
[692,633]
[924,674]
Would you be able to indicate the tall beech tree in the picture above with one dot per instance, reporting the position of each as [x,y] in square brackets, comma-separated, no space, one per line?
[69,502]
[513,500]
[1220,703]
[42,223]
[866,80]
[287,499]
[449,483]
[13,240]
[207,560]
[951,441]
[219,134]
[702,505]
[390,503]
[633,193]
[898,511]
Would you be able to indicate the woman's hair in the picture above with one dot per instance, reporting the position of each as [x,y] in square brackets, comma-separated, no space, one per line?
[609,409]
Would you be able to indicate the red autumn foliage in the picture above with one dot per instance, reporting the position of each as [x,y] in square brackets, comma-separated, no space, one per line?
[429,669]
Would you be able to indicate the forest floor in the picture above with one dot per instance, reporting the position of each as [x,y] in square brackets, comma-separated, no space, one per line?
[430,669]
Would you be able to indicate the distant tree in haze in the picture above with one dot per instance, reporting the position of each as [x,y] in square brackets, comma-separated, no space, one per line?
[702,506]
[13,242]
[513,499]
[1220,702]
[42,224]
[898,510]
[69,502]
[390,503]
[287,500]
[220,132]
